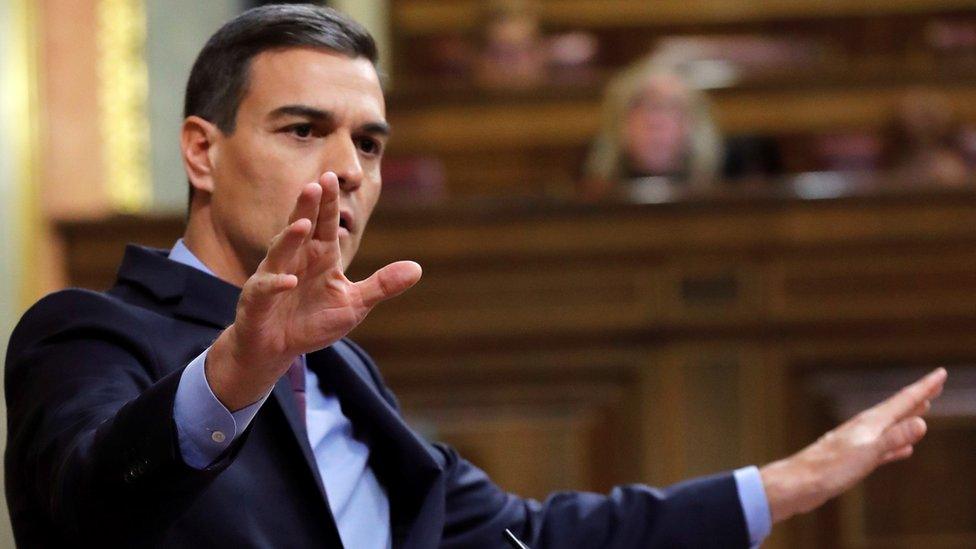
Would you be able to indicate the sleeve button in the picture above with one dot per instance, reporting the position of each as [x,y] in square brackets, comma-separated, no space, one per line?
[218,436]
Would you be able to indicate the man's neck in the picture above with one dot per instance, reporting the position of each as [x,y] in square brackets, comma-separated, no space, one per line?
[213,250]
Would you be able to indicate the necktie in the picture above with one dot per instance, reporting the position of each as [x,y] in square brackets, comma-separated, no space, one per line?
[296,376]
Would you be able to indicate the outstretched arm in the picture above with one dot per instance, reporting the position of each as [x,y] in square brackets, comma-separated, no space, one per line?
[703,512]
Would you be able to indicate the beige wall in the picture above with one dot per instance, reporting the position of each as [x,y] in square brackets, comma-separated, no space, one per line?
[73,175]
[375,16]
[9,295]
[172,43]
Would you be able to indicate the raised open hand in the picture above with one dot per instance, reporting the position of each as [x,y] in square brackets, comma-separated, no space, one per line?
[844,456]
[298,300]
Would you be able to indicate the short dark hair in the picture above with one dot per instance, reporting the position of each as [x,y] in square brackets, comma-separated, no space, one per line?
[220,74]
[219,78]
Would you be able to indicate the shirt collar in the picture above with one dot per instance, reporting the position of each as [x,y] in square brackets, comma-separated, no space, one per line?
[180,253]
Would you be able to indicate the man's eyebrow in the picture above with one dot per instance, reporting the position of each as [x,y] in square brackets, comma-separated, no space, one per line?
[302,110]
[380,127]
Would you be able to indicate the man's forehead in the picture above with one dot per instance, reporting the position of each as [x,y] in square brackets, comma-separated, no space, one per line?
[313,76]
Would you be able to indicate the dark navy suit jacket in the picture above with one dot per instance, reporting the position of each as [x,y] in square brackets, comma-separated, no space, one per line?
[92,453]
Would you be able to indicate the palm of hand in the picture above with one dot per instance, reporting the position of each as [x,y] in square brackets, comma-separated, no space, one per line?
[325,305]
[299,300]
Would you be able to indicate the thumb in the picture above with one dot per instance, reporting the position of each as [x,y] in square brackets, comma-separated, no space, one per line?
[906,432]
[390,281]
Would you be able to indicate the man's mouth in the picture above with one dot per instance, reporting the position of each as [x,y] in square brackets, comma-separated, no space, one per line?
[345,221]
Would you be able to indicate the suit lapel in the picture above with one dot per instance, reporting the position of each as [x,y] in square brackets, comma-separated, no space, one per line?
[283,396]
[399,458]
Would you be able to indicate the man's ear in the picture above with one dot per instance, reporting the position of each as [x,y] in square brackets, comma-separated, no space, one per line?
[197,141]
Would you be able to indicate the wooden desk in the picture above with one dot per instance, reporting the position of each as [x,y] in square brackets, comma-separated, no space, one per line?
[563,346]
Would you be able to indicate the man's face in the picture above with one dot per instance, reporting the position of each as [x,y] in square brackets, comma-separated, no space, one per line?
[305,111]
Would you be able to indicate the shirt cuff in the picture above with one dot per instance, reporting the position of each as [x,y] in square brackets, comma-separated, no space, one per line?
[755,505]
[205,427]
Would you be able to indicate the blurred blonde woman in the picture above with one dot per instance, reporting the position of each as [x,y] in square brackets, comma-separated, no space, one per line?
[655,124]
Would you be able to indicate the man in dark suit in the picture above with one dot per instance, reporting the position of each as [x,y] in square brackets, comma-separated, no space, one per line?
[210,399]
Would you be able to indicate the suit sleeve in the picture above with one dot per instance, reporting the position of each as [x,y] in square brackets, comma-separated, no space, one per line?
[703,512]
[92,444]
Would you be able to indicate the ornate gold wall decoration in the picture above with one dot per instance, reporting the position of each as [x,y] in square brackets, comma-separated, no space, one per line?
[123,94]
[19,118]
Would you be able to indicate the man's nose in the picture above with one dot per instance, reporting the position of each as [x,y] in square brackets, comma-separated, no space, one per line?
[342,157]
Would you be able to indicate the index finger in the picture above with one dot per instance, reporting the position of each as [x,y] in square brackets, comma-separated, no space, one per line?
[904,402]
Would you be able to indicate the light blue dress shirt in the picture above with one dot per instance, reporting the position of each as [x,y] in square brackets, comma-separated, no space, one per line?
[357,499]
[755,505]
[206,428]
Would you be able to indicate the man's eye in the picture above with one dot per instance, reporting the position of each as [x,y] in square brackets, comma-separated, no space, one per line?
[369,146]
[301,130]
